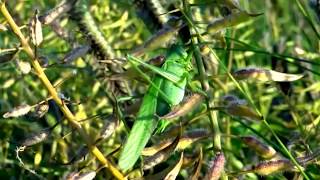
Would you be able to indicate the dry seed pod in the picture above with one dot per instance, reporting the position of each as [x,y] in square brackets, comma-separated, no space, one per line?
[8,56]
[270,167]
[24,67]
[37,137]
[109,127]
[86,176]
[216,167]
[160,156]
[18,111]
[36,29]
[172,175]
[159,39]
[198,166]
[262,149]
[57,11]
[185,140]
[264,75]
[185,106]
[41,109]
[238,109]
[75,53]
[229,21]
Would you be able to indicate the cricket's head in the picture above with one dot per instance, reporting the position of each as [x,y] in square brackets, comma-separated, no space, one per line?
[179,55]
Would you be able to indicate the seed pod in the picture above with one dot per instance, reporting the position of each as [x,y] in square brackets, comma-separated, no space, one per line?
[229,21]
[264,75]
[35,28]
[198,165]
[75,53]
[238,109]
[109,127]
[160,156]
[18,111]
[41,110]
[86,176]
[216,167]
[185,140]
[185,106]
[159,39]
[175,171]
[24,67]
[262,149]
[269,167]
[37,137]
[8,56]
[57,11]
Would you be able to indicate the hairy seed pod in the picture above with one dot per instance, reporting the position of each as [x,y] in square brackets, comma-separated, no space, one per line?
[185,106]
[264,75]
[75,53]
[262,149]
[216,167]
[57,11]
[35,28]
[185,140]
[242,110]
[157,40]
[158,10]
[172,175]
[18,111]
[109,127]
[37,137]
[86,176]
[41,110]
[229,21]
[160,156]
[8,56]
[270,167]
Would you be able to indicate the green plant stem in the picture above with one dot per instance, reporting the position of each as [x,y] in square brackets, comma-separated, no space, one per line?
[54,94]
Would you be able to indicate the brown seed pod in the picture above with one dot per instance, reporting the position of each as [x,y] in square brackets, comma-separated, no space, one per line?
[198,166]
[270,167]
[75,53]
[160,156]
[229,21]
[35,28]
[262,149]
[175,171]
[216,168]
[185,106]
[8,56]
[264,75]
[37,137]
[57,11]
[18,111]
[109,127]
[185,140]
[41,110]
[86,176]
[159,39]
[239,109]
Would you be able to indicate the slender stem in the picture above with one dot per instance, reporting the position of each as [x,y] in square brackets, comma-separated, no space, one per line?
[54,94]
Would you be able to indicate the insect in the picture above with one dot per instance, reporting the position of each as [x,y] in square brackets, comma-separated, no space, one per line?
[166,90]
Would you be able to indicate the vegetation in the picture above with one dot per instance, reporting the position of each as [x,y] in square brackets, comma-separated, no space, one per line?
[159,89]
